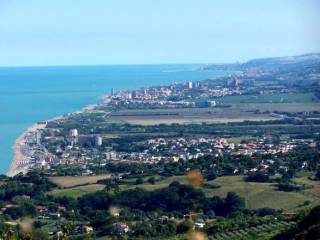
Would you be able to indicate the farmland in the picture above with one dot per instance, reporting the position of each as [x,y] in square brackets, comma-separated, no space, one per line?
[77,191]
[73,181]
[257,195]
[271,98]
[236,108]
[234,157]
[187,116]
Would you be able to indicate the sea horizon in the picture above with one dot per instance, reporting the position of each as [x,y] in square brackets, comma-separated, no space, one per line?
[30,94]
[111,64]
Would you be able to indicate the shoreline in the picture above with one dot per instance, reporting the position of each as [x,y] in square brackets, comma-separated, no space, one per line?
[18,163]
[19,157]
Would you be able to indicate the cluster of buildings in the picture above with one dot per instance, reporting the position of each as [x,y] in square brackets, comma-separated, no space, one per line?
[265,146]
[31,153]
[173,149]
[79,149]
[82,150]
[57,213]
[175,95]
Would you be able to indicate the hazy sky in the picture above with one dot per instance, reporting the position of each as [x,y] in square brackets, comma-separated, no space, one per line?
[76,32]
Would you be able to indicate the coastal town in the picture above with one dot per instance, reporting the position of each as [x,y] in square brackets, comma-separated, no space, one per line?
[160,120]
[46,144]
[84,150]
[173,96]
[243,146]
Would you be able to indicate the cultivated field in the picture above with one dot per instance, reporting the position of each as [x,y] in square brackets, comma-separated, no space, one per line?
[187,116]
[257,195]
[260,195]
[270,98]
[77,191]
[241,108]
[69,181]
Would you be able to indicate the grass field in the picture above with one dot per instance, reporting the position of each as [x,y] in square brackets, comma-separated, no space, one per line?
[270,98]
[187,116]
[160,184]
[285,107]
[68,181]
[77,191]
[257,195]
[177,237]
[260,195]
[238,140]
[241,109]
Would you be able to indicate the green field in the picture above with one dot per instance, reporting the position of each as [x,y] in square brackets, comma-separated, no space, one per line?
[241,108]
[260,195]
[73,181]
[188,116]
[283,107]
[177,237]
[257,195]
[261,232]
[77,191]
[160,184]
[270,98]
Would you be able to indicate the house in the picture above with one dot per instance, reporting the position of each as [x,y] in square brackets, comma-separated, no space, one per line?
[164,218]
[199,224]
[7,206]
[41,209]
[263,167]
[121,228]
[62,208]
[289,215]
[87,229]
[87,173]
[54,215]
[304,164]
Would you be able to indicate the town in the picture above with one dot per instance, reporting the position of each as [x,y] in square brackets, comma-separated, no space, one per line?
[85,150]
[162,160]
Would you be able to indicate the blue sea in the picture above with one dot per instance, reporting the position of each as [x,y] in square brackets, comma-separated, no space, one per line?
[32,94]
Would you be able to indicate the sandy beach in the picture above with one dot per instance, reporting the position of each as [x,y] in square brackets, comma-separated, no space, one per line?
[17,165]
[19,157]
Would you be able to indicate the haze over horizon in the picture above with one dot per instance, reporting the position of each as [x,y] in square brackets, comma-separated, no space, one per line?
[78,32]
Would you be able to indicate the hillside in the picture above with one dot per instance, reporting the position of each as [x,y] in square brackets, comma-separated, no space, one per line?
[274,63]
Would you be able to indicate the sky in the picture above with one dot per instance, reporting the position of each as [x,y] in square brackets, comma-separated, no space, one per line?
[82,32]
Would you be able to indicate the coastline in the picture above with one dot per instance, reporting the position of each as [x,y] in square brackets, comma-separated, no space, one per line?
[20,158]
[18,164]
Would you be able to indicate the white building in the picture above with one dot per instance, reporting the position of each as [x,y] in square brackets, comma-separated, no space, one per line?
[98,141]
[74,133]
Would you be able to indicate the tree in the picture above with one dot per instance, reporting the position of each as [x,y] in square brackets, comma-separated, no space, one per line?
[68,228]
[152,180]
[307,228]
[8,232]
[266,212]
[258,177]
[40,234]
[183,227]
[139,181]
[233,203]
[211,176]
[317,175]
